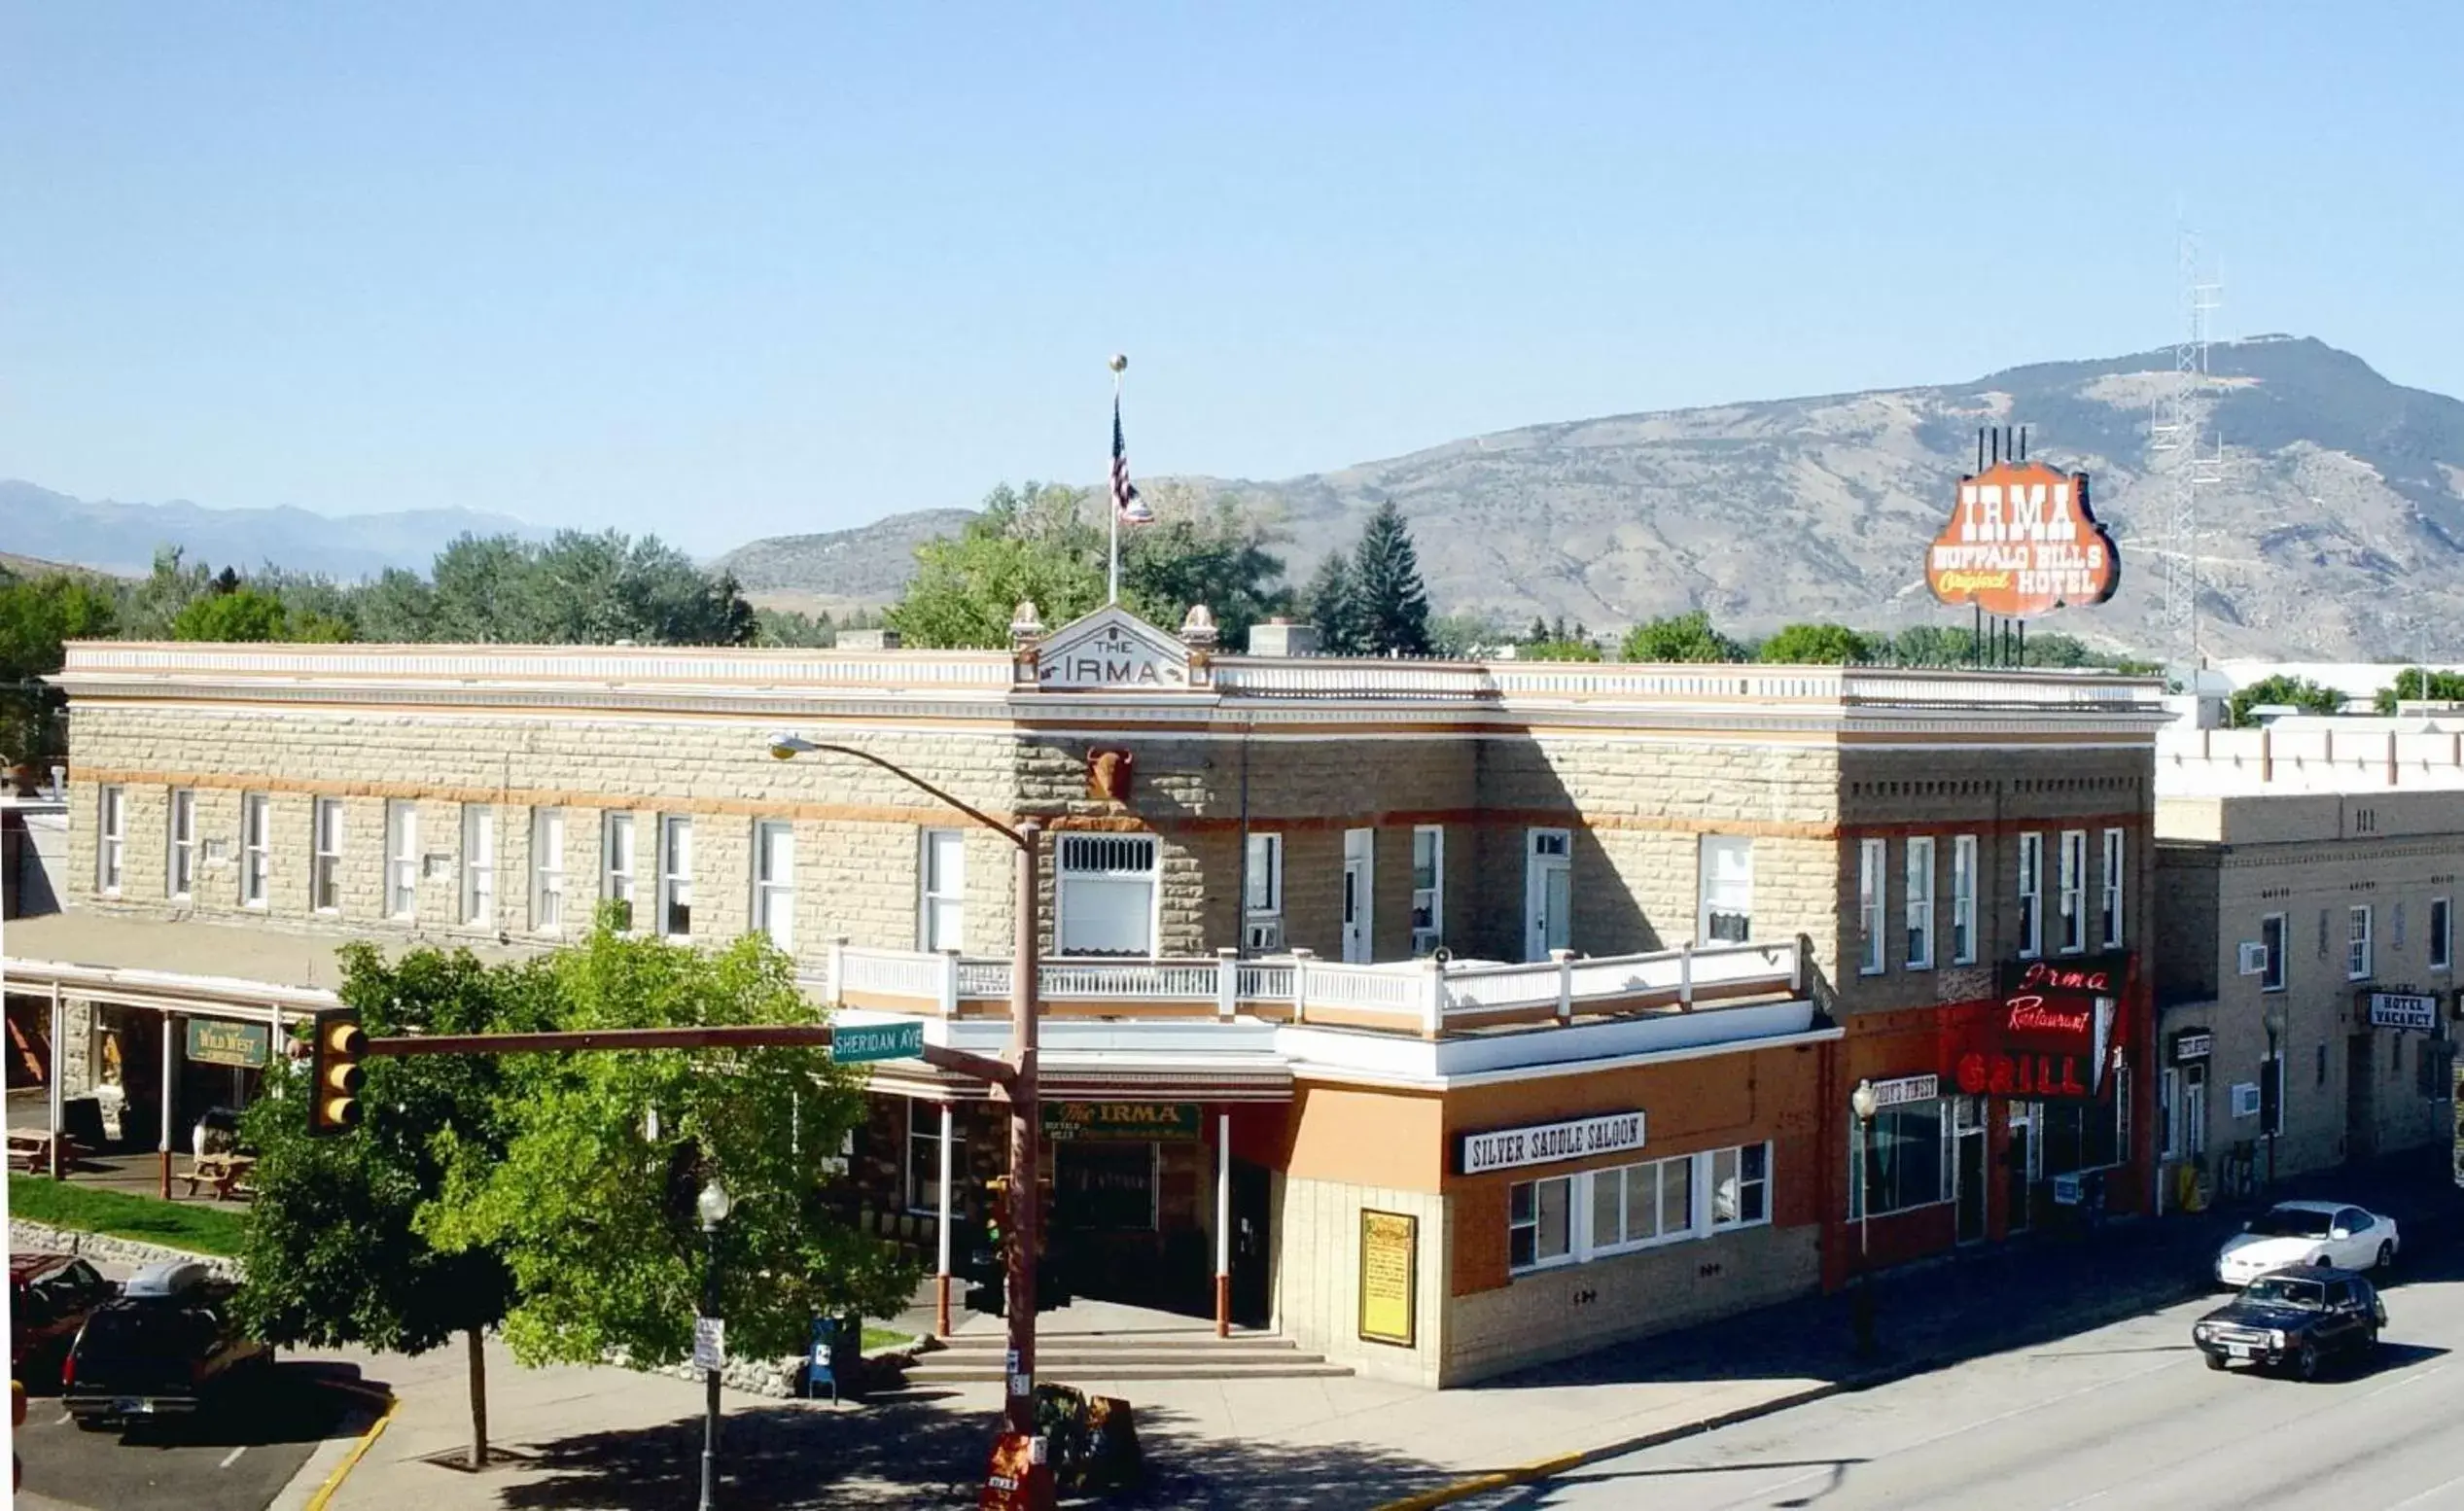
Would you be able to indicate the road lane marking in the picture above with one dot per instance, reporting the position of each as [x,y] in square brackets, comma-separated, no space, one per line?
[2414,1500]
[232,1457]
[65,1418]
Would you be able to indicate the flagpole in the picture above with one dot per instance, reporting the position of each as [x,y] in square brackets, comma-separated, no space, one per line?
[1113,575]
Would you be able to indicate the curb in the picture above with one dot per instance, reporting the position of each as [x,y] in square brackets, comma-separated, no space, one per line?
[359,1449]
[1867,1380]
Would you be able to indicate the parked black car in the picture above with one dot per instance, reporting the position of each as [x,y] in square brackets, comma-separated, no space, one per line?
[2294,1319]
[159,1350]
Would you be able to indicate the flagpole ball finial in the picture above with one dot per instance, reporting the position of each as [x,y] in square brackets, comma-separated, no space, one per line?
[1118,363]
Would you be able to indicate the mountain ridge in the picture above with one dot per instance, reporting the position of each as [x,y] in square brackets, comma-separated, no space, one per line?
[107,535]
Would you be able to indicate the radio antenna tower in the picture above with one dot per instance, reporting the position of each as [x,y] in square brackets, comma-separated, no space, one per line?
[2176,431]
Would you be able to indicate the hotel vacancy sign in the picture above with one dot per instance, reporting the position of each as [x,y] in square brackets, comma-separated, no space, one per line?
[2023,540]
[2403,1011]
[1390,1271]
[1546,1144]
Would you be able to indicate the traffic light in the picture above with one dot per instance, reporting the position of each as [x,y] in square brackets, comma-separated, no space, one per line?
[335,1044]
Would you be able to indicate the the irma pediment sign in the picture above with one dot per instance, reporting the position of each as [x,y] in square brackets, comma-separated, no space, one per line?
[1112,649]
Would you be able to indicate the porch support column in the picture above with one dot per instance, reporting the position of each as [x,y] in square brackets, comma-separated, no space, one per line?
[1223,1222]
[163,1139]
[941,1234]
[59,1096]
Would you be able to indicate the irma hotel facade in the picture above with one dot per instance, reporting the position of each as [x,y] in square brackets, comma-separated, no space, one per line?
[1457,1015]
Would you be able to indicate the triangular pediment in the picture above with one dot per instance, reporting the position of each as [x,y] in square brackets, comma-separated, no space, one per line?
[1115,650]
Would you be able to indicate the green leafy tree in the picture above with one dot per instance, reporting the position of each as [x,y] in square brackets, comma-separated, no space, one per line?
[1388,597]
[1464,636]
[148,609]
[242,613]
[593,1212]
[1028,544]
[793,627]
[38,617]
[1679,637]
[1561,650]
[1217,555]
[1817,644]
[2414,685]
[1333,607]
[331,1243]
[2298,693]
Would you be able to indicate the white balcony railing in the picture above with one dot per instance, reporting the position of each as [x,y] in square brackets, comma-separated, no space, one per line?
[1415,996]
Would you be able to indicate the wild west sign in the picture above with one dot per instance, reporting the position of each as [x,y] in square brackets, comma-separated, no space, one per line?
[2049,1037]
[2023,540]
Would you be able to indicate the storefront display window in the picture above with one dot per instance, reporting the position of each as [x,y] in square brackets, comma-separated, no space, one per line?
[1902,1160]
[1105,1187]
[2085,1135]
[1596,1214]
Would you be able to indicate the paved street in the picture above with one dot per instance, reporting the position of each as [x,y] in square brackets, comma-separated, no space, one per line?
[235,1457]
[2121,1417]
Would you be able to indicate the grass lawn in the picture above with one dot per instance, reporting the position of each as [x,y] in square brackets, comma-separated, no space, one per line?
[64,1203]
[876,1339]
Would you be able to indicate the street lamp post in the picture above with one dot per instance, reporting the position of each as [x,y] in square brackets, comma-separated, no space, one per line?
[1864,1101]
[1018,1414]
[712,1204]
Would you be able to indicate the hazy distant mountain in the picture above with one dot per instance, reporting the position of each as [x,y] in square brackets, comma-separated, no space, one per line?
[123,536]
[839,569]
[2337,530]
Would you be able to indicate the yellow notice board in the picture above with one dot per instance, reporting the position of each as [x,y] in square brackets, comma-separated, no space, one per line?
[1390,1244]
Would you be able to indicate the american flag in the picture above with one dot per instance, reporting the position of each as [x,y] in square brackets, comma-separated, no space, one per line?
[1131,508]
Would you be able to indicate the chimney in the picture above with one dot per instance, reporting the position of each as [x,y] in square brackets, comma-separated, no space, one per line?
[1280,636]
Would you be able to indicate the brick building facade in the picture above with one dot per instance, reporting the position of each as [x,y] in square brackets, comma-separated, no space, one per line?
[1354,917]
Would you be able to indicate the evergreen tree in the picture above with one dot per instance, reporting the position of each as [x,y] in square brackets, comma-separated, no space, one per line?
[1538,633]
[1393,604]
[1334,609]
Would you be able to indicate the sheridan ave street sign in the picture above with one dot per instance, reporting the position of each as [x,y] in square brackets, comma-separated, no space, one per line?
[851,1044]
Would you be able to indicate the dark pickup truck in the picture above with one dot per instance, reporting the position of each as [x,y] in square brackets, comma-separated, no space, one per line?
[2294,1319]
[156,1351]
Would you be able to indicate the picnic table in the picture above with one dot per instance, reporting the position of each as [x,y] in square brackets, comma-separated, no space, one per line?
[33,1146]
[224,1172]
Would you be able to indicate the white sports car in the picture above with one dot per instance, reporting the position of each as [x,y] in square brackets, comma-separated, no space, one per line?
[2308,1233]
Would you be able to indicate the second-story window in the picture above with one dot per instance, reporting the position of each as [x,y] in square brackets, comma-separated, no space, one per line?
[547,869]
[1262,894]
[774,881]
[2075,890]
[617,865]
[2272,941]
[2358,962]
[1107,894]
[479,866]
[256,847]
[1920,903]
[676,876]
[1872,857]
[181,882]
[942,909]
[325,870]
[1428,889]
[111,849]
[2110,935]
[2441,940]
[2031,895]
[1725,868]
[402,859]
[1963,875]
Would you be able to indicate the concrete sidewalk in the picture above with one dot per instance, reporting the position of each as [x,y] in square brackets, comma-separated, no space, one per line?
[600,1437]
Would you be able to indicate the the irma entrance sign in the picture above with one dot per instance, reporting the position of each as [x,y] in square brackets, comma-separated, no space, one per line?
[2023,540]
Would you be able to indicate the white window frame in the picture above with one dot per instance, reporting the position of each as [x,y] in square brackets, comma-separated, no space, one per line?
[2072,893]
[2439,939]
[479,866]
[1576,1191]
[1711,1219]
[619,867]
[1702,1214]
[1077,875]
[547,871]
[773,893]
[1719,893]
[924,1126]
[2115,856]
[1919,909]
[942,891]
[2360,952]
[1428,902]
[179,872]
[256,849]
[675,877]
[2273,975]
[325,863]
[2031,895]
[1262,892]
[111,839]
[1691,1228]
[1963,875]
[1873,866]
[402,859]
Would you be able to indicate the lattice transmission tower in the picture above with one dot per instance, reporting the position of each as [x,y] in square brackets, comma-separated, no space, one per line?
[2175,433]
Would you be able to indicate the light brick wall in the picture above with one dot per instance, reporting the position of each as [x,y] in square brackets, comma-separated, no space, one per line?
[1318,1277]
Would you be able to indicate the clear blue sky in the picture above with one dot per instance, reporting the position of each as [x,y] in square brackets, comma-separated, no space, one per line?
[724,270]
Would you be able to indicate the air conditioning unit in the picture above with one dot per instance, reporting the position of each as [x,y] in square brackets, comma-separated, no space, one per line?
[1264,936]
[2245,1100]
[1425,942]
[2254,958]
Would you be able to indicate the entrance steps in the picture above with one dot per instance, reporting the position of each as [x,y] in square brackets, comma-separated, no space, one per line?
[1142,1353]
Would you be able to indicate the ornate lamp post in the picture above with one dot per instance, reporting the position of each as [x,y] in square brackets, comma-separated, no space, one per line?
[1864,1101]
[714,1205]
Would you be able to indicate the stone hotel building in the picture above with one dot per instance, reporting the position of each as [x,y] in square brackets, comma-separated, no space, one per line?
[1456,1017]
